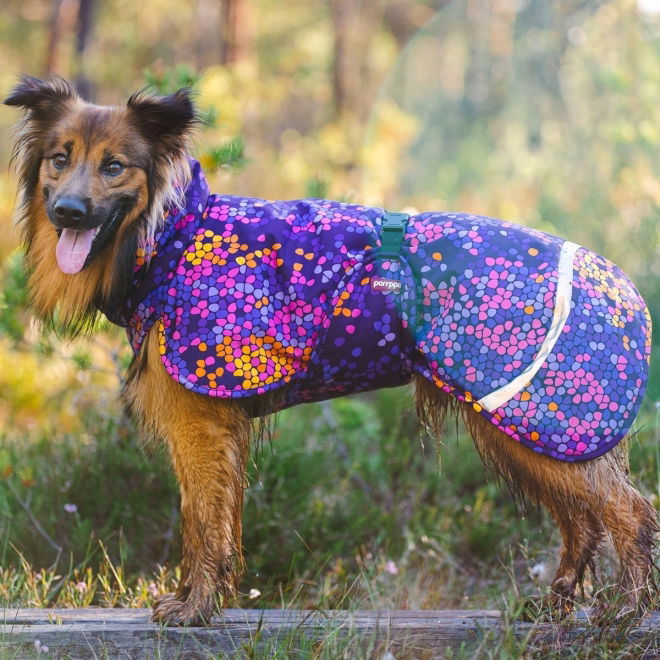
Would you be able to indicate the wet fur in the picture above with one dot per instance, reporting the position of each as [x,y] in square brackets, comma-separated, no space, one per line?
[208,439]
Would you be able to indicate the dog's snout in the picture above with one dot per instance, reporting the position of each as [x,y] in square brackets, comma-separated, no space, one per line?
[70,211]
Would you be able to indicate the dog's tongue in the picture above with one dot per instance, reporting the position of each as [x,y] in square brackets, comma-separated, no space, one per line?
[72,249]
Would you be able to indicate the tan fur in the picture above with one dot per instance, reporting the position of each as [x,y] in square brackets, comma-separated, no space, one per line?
[587,500]
[208,441]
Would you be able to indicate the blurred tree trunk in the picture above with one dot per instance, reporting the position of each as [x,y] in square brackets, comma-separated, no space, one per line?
[235,34]
[83,32]
[404,18]
[54,34]
[355,22]
[207,28]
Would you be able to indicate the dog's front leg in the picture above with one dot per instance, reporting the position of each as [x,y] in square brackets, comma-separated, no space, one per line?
[209,461]
[208,443]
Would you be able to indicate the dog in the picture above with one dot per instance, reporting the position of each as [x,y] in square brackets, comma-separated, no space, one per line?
[237,307]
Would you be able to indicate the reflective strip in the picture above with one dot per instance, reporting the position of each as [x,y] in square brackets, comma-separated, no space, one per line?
[560,314]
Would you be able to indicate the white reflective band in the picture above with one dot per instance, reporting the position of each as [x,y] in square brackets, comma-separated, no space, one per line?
[560,314]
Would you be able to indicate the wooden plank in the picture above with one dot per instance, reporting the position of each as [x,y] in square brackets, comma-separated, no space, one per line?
[126,633]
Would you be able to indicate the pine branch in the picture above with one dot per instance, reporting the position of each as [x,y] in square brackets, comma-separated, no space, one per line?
[171,79]
[316,187]
[230,154]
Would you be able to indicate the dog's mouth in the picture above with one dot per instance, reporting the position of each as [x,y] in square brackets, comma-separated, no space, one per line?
[77,247]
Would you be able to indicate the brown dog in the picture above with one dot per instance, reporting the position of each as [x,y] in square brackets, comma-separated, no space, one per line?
[106,173]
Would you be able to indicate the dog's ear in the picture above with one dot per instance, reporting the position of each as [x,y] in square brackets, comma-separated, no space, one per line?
[164,119]
[41,99]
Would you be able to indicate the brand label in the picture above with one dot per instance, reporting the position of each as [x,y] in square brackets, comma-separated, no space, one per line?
[385,284]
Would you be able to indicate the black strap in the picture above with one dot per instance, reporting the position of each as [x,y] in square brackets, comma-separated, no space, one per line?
[393,230]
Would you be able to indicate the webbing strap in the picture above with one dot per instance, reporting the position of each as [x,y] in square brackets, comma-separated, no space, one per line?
[393,230]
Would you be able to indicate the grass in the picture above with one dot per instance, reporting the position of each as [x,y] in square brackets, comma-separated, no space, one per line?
[348,507]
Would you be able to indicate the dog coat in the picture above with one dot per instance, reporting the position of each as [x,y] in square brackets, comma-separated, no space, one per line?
[546,339]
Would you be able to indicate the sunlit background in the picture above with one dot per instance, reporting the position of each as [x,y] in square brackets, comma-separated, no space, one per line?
[540,113]
[543,113]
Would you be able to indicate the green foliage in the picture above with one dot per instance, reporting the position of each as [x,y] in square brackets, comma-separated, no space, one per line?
[341,482]
[230,154]
[172,79]
[82,359]
[182,76]
[316,187]
[82,489]
[347,501]
[13,297]
[347,507]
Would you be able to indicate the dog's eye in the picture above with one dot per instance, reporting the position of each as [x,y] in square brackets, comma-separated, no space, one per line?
[114,167]
[60,161]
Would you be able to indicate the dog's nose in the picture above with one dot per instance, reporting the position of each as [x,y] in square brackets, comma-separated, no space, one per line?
[69,211]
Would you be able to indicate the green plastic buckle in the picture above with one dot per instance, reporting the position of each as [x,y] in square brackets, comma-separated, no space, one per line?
[394,228]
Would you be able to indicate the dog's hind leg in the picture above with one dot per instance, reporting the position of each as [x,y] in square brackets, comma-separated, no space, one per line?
[605,502]
[561,488]
[208,442]
[587,500]
[631,521]
[582,534]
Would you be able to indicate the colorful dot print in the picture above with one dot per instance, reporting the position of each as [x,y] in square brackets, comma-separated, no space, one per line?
[250,295]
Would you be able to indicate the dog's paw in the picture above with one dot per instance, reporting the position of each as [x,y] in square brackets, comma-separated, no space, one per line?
[560,600]
[171,611]
[558,606]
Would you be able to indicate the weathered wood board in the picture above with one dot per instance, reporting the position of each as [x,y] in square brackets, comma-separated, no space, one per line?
[128,633]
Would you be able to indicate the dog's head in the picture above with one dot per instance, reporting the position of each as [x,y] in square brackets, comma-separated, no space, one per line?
[95,179]
[94,169]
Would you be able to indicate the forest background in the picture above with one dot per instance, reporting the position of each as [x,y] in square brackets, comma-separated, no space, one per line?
[542,113]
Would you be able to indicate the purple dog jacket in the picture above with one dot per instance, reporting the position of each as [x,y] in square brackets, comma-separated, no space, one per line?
[547,340]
